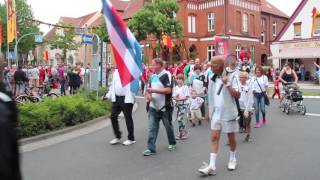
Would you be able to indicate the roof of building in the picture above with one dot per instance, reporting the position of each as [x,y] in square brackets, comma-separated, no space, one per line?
[120,5]
[291,19]
[267,7]
[91,20]
[133,7]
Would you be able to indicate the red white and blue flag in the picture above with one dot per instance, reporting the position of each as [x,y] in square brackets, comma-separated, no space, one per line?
[126,49]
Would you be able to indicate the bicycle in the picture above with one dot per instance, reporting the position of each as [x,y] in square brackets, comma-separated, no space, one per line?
[27,96]
[44,91]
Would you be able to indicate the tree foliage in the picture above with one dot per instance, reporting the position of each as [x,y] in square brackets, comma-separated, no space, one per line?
[23,11]
[101,31]
[156,18]
[64,40]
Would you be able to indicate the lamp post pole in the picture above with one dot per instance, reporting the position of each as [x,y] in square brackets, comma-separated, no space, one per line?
[16,46]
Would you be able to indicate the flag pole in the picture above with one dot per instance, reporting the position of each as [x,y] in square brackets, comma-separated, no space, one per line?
[15,28]
[9,64]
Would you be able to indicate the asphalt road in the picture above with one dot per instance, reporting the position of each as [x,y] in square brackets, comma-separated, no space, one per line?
[288,148]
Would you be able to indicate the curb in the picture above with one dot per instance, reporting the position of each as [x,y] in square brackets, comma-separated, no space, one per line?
[62,131]
[69,129]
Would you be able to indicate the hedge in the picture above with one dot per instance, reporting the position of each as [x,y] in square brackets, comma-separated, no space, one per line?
[54,114]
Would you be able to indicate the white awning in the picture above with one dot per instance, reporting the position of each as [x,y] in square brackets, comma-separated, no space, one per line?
[298,53]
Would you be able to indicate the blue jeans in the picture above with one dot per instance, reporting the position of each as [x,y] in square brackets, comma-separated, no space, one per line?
[154,120]
[259,105]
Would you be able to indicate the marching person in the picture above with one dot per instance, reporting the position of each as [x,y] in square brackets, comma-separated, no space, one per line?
[158,96]
[122,101]
[246,103]
[222,91]
[260,86]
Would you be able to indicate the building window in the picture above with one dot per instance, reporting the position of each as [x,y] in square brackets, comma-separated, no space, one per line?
[263,23]
[238,50]
[211,52]
[245,22]
[191,24]
[297,30]
[211,22]
[262,38]
[274,29]
[316,30]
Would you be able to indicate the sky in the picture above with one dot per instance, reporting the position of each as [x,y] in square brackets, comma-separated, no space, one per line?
[50,10]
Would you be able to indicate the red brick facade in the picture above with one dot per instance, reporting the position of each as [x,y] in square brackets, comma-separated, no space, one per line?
[229,20]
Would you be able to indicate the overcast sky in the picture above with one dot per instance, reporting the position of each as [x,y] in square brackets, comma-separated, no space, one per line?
[50,10]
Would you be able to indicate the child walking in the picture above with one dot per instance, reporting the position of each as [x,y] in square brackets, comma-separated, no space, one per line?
[246,104]
[195,108]
[181,95]
[276,87]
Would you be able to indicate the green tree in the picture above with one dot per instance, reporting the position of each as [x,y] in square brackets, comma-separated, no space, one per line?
[156,18]
[64,41]
[101,31]
[24,26]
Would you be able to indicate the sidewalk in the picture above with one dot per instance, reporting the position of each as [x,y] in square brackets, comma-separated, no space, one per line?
[303,85]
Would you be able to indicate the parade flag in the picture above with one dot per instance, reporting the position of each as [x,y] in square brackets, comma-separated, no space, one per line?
[1,32]
[167,41]
[46,55]
[316,21]
[126,49]
[11,21]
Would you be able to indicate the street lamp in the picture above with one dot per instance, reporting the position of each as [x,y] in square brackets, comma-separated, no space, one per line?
[16,46]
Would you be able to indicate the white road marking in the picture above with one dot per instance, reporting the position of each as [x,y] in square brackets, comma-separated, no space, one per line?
[312,114]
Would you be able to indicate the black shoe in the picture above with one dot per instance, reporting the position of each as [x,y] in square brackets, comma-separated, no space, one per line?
[199,123]
[193,124]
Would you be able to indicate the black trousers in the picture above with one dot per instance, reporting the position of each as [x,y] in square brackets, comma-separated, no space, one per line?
[118,107]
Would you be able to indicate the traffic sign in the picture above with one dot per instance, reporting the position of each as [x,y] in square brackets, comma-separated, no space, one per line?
[87,39]
[38,38]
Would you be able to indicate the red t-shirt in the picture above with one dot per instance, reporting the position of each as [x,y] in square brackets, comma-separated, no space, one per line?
[276,83]
[42,73]
[180,69]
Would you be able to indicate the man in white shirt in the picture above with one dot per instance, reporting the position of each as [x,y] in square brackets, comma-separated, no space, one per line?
[122,101]
[222,91]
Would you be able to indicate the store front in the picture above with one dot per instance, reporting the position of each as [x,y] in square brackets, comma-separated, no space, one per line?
[298,53]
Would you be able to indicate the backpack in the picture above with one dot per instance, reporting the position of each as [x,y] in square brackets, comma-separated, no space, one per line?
[169,104]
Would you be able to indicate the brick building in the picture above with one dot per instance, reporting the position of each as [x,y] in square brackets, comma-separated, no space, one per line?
[244,23]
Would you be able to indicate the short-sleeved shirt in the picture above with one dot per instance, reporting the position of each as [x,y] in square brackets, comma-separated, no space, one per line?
[161,101]
[262,81]
[182,91]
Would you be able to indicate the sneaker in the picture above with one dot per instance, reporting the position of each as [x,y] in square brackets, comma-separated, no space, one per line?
[248,139]
[172,147]
[207,170]
[232,165]
[257,125]
[265,121]
[128,142]
[199,123]
[148,152]
[114,141]
[193,124]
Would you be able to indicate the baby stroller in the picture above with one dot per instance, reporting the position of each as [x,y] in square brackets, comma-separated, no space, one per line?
[293,100]
[182,117]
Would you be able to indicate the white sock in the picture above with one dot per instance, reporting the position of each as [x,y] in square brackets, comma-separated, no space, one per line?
[232,156]
[213,157]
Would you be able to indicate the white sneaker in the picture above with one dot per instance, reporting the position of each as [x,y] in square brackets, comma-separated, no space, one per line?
[128,142]
[232,165]
[207,170]
[114,141]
